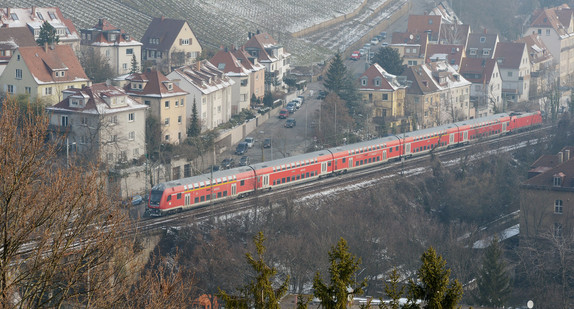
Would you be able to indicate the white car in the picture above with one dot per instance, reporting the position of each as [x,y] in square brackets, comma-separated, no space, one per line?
[250,141]
[374,41]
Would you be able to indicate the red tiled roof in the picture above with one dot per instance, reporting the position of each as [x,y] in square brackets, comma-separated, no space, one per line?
[453,52]
[227,62]
[472,66]
[95,94]
[509,55]
[43,61]
[156,84]
[12,38]
[537,50]
[423,23]
[373,72]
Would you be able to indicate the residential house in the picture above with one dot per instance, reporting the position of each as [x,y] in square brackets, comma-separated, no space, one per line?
[486,89]
[272,55]
[481,45]
[427,25]
[455,34]
[438,94]
[33,18]
[10,40]
[102,121]
[226,61]
[114,45]
[450,53]
[514,64]
[43,72]
[547,197]
[169,43]
[542,68]
[257,76]
[411,48]
[209,88]
[166,103]
[555,27]
[384,94]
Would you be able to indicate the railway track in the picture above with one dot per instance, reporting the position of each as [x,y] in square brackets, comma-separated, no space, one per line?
[346,182]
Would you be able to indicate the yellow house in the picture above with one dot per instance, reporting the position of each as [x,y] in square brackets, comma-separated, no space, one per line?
[384,93]
[43,73]
[169,43]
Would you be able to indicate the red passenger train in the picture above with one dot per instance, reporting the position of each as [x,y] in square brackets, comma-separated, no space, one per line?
[191,192]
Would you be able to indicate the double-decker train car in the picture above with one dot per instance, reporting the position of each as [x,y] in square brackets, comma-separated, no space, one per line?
[201,190]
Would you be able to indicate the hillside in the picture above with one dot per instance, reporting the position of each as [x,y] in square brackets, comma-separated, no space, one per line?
[215,22]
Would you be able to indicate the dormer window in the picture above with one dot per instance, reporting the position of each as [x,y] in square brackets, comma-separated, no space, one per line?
[377,81]
[364,81]
[558,180]
[14,16]
[40,15]
[482,39]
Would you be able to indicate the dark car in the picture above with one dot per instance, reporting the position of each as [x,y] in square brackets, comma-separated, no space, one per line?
[284,113]
[227,163]
[322,95]
[267,143]
[290,123]
[212,168]
[244,161]
[241,148]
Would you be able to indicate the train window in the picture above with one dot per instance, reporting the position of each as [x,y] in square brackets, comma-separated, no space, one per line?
[224,193]
[344,159]
[169,198]
[218,194]
[203,198]
[201,184]
[298,163]
[242,183]
[390,149]
[397,148]
[224,179]
[329,163]
[370,160]
[196,200]
[307,175]
[282,180]
[218,180]
[298,177]
[208,197]
[179,196]
[274,168]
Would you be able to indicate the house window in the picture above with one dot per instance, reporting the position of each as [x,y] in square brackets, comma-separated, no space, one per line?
[110,156]
[85,120]
[473,52]
[482,39]
[147,102]
[28,90]
[558,209]
[547,31]
[48,91]
[364,81]
[132,135]
[129,51]
[131,117]
[40,15]
[181,102]
[136,152]
[486,52]
[385,96]
[125,66]
[244,82]
[185,41]
[557,181]
[10,89]
[377,82]
[557,229]
[539,31]
[18,73]
[166,122]
[124,155]
[509,74]
[167,137]
[166,104]
[64,121]
[179,119]
[14,16]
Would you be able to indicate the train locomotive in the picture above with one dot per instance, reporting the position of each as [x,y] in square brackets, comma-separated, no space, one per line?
[201,190]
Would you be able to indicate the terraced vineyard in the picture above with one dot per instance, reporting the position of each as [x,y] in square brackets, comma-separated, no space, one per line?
[224,22]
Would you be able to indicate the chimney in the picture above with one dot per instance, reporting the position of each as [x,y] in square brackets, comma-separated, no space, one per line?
[198,65]
[45,47]
[560,157]
[162,18]
[249,34]
[8,12]
[485,31]
[566,154]
[258,32]
[33,11]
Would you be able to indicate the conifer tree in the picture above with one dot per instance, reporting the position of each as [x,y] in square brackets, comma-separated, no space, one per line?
[134,68]
[493,281]
[393,291]
[47,34]
[342,269]
[390,60]
[194,127]
[434,287]
[259,292]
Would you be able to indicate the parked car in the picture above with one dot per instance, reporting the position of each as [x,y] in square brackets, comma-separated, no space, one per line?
[367,46]
[302,98]
[241,148]
[385,44]
[136,200]
[212,168]
[284,113]
[291,107]
[374,41]
[297,102]
[267,143]
[383,34]
[362,52]
[250,141]
[244,161]
[356,55]
[321,95]
[290,123]
[227,163]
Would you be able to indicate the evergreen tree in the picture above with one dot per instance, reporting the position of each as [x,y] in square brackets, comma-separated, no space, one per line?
[390,60]
[259,293]
[134,68]
[393,291]
[47,35]
[342,269]
[194,126]
[340,81]
[493,281]
[268,99]
[434,287]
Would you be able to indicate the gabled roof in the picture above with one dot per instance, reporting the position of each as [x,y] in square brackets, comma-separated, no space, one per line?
[444,10]
[388,82]
[481,41]
[425,23]
[548,169]
[164,29]
[509,55]
[426,78]
[204,76]
[558,18]
[454,34]
[452,53]
[96,103]
[472,67]
[262,42]
[246,60]
[12,38]
[43,61]
[156,85]
[226,61]
[422,83]
[537,50]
